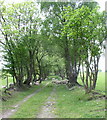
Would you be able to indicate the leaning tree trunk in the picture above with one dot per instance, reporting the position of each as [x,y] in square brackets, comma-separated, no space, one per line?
[30,69]
[40,73]
[29,77]
[96,61]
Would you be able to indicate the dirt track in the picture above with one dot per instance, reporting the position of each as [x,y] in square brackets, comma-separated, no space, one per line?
[8,113]
[47,110]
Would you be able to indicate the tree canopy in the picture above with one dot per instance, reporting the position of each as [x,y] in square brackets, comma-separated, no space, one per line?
[67,42]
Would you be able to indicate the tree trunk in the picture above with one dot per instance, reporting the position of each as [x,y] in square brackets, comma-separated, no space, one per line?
[30,69]
[96,71]
[70,76]
[7,82]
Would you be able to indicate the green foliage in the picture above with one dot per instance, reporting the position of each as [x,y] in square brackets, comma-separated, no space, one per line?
[59,44]
[80,24]
[25,47]
[83,27]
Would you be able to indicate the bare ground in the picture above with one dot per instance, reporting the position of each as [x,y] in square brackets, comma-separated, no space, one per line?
[47,110]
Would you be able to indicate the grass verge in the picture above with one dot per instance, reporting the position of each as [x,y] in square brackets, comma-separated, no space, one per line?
[74,104]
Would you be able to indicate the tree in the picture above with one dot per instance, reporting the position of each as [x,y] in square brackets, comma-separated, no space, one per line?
[25,46]
[86,28]
[55,21]
[19,29]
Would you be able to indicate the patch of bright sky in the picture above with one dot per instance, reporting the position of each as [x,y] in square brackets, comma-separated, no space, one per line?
[101,2]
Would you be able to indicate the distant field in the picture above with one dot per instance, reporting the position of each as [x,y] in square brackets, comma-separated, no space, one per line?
[100,81]
[3,82]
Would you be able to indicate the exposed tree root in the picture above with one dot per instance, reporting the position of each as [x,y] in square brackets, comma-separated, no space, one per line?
[70,85]
[99,95]
[95,95]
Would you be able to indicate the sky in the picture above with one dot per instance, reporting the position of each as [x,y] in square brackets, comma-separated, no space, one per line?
[102,7]
[101,2]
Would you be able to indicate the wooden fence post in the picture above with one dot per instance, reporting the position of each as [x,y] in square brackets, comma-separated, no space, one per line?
[7,81]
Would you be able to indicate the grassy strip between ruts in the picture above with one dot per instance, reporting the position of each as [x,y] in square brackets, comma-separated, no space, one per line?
[17,96]
[32,106]
[74,104]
